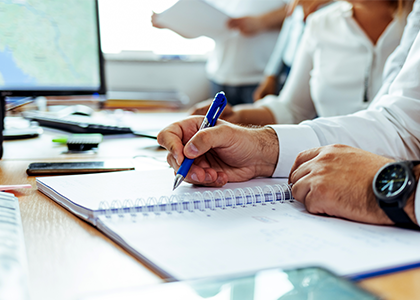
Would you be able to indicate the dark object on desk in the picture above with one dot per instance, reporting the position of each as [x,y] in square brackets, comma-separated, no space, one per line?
[83,124]
[21,133]
[55,168]
[81,142]
[75,126]
[291,284]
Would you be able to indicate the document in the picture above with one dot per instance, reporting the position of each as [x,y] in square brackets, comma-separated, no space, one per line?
[194,18]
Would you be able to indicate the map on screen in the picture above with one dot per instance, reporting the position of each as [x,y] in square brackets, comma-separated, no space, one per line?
[49,45]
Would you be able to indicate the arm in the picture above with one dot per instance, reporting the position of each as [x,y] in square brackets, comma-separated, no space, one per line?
[251,25]
[245,114]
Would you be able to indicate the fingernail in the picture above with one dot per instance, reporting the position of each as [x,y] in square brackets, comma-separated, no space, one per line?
[194,177]
[192,149]
[208,177]
[219,180]
[176,159]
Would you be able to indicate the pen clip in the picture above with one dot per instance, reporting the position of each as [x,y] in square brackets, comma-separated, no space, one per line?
[216,108]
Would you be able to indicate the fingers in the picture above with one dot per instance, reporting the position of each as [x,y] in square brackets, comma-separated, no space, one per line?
[200,173]
[177,134]
[302,157]
[208,138]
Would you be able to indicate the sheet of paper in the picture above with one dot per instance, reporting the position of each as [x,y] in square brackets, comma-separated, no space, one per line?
[194,18]
[244,239]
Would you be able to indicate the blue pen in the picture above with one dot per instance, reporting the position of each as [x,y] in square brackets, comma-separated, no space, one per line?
[216,108]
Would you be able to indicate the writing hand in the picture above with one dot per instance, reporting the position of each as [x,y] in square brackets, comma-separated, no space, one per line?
[336,180]
[223,153]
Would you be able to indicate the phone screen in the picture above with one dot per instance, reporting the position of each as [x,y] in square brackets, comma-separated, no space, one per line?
[312,283]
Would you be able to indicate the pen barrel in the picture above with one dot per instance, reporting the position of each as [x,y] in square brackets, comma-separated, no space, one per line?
[185,167]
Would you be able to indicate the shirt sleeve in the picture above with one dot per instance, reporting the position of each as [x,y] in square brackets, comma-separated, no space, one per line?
[294,103]
[292,140]
[397,59]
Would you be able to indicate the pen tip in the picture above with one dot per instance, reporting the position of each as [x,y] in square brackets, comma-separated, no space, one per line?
[178,180]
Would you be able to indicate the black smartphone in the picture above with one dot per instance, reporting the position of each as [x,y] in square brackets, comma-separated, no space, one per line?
[54,168]
[313,283]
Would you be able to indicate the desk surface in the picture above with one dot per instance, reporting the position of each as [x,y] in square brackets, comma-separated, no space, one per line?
[68,258]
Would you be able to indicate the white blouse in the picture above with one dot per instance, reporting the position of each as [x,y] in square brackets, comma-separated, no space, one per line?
[337,69]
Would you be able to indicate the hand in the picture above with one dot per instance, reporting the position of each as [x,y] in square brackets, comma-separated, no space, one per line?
[228,113]
[337,180]
[308,6]
[154,21]
[224,153]
[248,26]
[266,87]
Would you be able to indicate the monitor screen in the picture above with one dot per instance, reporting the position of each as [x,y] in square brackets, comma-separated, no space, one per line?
[50,47]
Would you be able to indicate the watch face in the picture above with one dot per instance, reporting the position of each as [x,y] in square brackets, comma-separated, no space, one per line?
[391,181]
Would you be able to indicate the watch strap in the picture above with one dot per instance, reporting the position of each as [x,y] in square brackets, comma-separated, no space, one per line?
[399,217]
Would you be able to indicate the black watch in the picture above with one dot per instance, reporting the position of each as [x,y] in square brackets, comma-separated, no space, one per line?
[393,185]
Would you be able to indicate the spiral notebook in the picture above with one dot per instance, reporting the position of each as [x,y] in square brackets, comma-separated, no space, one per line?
[199,232]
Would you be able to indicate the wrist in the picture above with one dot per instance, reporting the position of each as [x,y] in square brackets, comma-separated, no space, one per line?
[268,150]
[410,205]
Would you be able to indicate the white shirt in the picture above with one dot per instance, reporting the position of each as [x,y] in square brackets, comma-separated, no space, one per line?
[389,127]
[241,60]
[337,69]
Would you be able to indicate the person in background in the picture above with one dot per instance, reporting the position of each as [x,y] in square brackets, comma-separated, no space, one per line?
[337,69]
[278,66]
[328,178]
[236,65]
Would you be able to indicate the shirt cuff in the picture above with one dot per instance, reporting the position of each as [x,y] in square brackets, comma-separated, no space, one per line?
[417,202]
[293,139]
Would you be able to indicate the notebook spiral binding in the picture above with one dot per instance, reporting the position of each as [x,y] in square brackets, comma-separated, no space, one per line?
[240,197]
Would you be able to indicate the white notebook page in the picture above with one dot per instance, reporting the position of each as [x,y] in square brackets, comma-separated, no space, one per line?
[210,243]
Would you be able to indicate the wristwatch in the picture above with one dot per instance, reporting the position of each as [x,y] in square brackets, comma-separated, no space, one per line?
[393,185]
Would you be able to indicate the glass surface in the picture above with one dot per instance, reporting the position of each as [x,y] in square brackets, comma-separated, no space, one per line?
[48,45]
[391,180]
[275,284]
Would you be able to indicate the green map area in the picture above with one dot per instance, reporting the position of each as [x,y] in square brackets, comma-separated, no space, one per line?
[48,43]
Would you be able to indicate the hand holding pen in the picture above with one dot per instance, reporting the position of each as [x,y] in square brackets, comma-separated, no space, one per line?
[216,108]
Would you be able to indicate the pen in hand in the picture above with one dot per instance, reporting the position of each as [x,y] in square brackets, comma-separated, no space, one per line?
[216,108]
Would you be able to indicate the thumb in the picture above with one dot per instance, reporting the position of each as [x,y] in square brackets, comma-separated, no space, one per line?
[208,138]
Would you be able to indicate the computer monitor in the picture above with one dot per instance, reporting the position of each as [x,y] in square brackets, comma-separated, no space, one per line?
[50,47]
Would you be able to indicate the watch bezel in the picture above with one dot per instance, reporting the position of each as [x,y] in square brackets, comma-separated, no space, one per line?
[405,189]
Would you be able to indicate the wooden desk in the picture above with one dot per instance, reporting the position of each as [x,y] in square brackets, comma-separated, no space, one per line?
[68,258]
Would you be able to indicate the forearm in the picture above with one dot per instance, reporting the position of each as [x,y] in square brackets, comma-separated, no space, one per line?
[273,19]
[248,114]
[267,151]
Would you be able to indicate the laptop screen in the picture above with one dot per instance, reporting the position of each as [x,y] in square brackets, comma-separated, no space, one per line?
[50,47]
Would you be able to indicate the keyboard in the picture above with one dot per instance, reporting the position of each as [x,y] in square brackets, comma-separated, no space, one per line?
[13,262]
[76,124]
